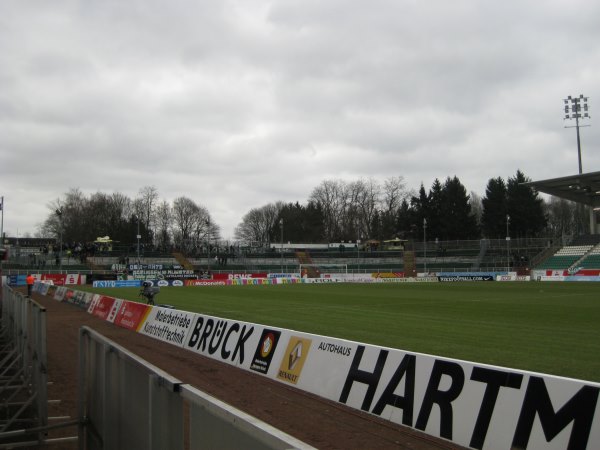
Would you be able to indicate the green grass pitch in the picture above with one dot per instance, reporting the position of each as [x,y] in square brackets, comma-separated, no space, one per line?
[552,328]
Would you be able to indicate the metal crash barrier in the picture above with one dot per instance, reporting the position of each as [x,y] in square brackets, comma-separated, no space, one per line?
[126,402]
[23,370]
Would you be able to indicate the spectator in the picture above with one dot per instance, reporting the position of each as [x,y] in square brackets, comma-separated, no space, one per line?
[29,280]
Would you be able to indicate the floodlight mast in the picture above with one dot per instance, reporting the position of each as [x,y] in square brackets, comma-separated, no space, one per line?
[577,108]
[281,248]
[59,214]
[425,245]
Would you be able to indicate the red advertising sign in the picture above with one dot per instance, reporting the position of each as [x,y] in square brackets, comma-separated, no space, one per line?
[587,273]
[103,307]
[578,272]
[73,278]
[236,276]
[57,279]
[131,314]
[69,295]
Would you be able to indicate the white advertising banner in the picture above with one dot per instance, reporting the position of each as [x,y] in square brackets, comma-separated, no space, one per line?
[513,277]
[168,325]
[473,405]
[114,309]
[60,292]
[92,304]
[241,344]
[408,280]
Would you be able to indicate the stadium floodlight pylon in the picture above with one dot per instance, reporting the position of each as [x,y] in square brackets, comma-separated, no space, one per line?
[577,108]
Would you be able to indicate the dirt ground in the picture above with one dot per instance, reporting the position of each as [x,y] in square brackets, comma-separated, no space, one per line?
[318,422]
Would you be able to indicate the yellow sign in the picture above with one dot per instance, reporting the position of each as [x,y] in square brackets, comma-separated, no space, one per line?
[293,359]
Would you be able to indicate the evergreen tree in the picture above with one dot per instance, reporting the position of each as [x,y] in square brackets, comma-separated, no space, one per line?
[435,221]
[421,210]
[300,224]
[459,222]
[493,219]
[525,208]
[314,223]
[404,220]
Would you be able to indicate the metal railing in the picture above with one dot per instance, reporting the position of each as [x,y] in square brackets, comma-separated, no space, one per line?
[23,369]
[125,402]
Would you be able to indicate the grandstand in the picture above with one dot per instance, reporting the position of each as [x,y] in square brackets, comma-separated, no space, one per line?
[519,255]
[582,252]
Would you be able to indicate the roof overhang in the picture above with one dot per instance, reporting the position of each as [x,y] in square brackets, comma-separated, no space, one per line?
[583,188]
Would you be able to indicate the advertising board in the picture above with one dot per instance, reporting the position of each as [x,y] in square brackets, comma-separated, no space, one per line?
[102,307]
[235,276]
[205,282]
[131,314]
[470,404]
[168,325]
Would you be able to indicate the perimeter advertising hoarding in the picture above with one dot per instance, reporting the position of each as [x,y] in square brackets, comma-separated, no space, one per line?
[235,276]
[76,298]
[205,282]
[168,325]
[59,293]
[75,278]
[131,315]
[242,344]
[92,304]
[112,313]
[513,277]
[564,273]
[387,275]
[69,294]
[56,278]
[102,307]
[17,280]
[473,405]
[427,279]
[116,283]
[452,278]
[42,288]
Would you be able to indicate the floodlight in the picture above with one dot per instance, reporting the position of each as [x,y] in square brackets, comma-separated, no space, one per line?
[573,110]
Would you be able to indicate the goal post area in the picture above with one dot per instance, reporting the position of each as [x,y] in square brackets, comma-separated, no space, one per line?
[312,270]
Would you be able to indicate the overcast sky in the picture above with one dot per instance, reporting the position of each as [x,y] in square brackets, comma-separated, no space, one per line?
[236,104]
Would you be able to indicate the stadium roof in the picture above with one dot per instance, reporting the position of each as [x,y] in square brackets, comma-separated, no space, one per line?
[583,188]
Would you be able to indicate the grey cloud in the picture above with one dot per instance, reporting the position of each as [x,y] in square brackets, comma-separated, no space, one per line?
[238,104]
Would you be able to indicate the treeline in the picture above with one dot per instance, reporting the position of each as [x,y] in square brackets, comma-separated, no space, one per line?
[368,209]
[335,211]
[184,224]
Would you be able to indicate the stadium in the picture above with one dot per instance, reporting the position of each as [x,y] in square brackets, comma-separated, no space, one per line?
[381,344]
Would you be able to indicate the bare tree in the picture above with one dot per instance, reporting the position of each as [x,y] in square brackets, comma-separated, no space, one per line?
[185,215]
[565,218]
[331,196]
[163,220]
[204,229]
[368,201]
[74,225]
[146,205]
[257,223]
[394,192]
[192,224]
[52,225]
